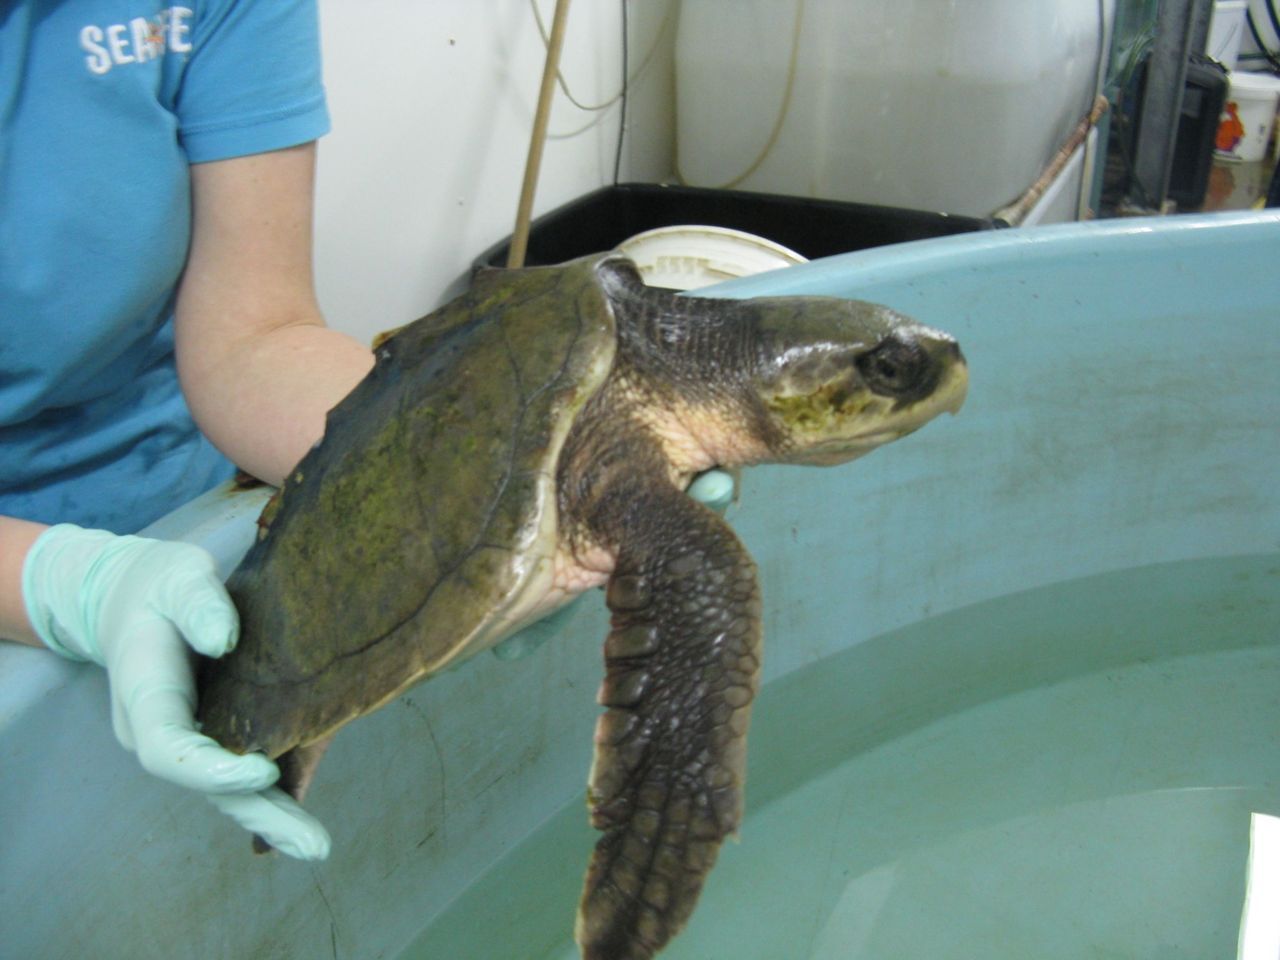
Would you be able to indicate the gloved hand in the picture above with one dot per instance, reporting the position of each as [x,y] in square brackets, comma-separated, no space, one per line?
[137,607]
[714,488]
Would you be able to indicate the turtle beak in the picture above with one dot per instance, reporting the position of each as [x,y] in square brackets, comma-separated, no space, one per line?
[951,386]
[955,387]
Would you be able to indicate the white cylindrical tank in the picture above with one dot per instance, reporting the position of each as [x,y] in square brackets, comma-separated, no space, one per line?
[924,104]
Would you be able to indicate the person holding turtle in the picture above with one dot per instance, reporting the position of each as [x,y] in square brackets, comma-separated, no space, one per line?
[158,324]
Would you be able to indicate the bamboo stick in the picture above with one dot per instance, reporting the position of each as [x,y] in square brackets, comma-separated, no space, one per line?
[524,213]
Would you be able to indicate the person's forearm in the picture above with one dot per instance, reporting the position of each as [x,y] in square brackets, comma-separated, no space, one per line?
[263,401]
[16,538]
[258,367]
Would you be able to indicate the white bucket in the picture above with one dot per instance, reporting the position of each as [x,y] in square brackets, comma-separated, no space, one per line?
[1244,129]
[1225,32]
[691,256]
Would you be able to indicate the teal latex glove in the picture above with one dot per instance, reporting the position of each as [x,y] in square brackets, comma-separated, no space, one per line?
[714,488]
[138,607]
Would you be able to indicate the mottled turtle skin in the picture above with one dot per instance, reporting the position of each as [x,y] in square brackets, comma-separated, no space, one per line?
[524,443]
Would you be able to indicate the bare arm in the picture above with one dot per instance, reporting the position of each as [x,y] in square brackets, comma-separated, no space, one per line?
[260,371]
[16,538]
[258,366]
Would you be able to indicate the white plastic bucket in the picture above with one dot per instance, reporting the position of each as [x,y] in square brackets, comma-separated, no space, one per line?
[1244,129]
[690,256]
[1225,32]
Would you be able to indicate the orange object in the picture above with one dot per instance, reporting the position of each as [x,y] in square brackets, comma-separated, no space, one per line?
[1230,129]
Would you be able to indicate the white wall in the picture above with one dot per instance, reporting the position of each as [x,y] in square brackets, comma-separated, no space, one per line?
[954,107]
[432,104]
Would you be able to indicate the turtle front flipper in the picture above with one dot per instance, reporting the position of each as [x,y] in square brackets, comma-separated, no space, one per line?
[683,663]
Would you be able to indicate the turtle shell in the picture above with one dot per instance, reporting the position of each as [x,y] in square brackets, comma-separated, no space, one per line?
[423,527]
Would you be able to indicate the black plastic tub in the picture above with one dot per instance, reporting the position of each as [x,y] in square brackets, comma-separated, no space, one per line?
[602,219]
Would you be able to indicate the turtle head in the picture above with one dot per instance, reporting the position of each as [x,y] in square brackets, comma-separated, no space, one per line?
[836,378]
[791,379]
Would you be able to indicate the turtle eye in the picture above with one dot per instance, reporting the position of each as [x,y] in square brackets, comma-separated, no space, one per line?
[894,367]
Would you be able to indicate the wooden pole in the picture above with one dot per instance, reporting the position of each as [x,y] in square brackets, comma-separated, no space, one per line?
[520,238]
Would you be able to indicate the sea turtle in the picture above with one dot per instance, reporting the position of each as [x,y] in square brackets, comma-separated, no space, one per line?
[528,441]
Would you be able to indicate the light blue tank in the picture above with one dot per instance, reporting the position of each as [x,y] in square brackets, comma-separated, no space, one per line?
[1023,674]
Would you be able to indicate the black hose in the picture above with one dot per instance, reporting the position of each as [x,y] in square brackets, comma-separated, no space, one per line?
[1257,36]
[1275,20]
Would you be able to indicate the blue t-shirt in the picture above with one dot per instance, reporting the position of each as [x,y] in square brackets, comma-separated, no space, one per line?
[103,105]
